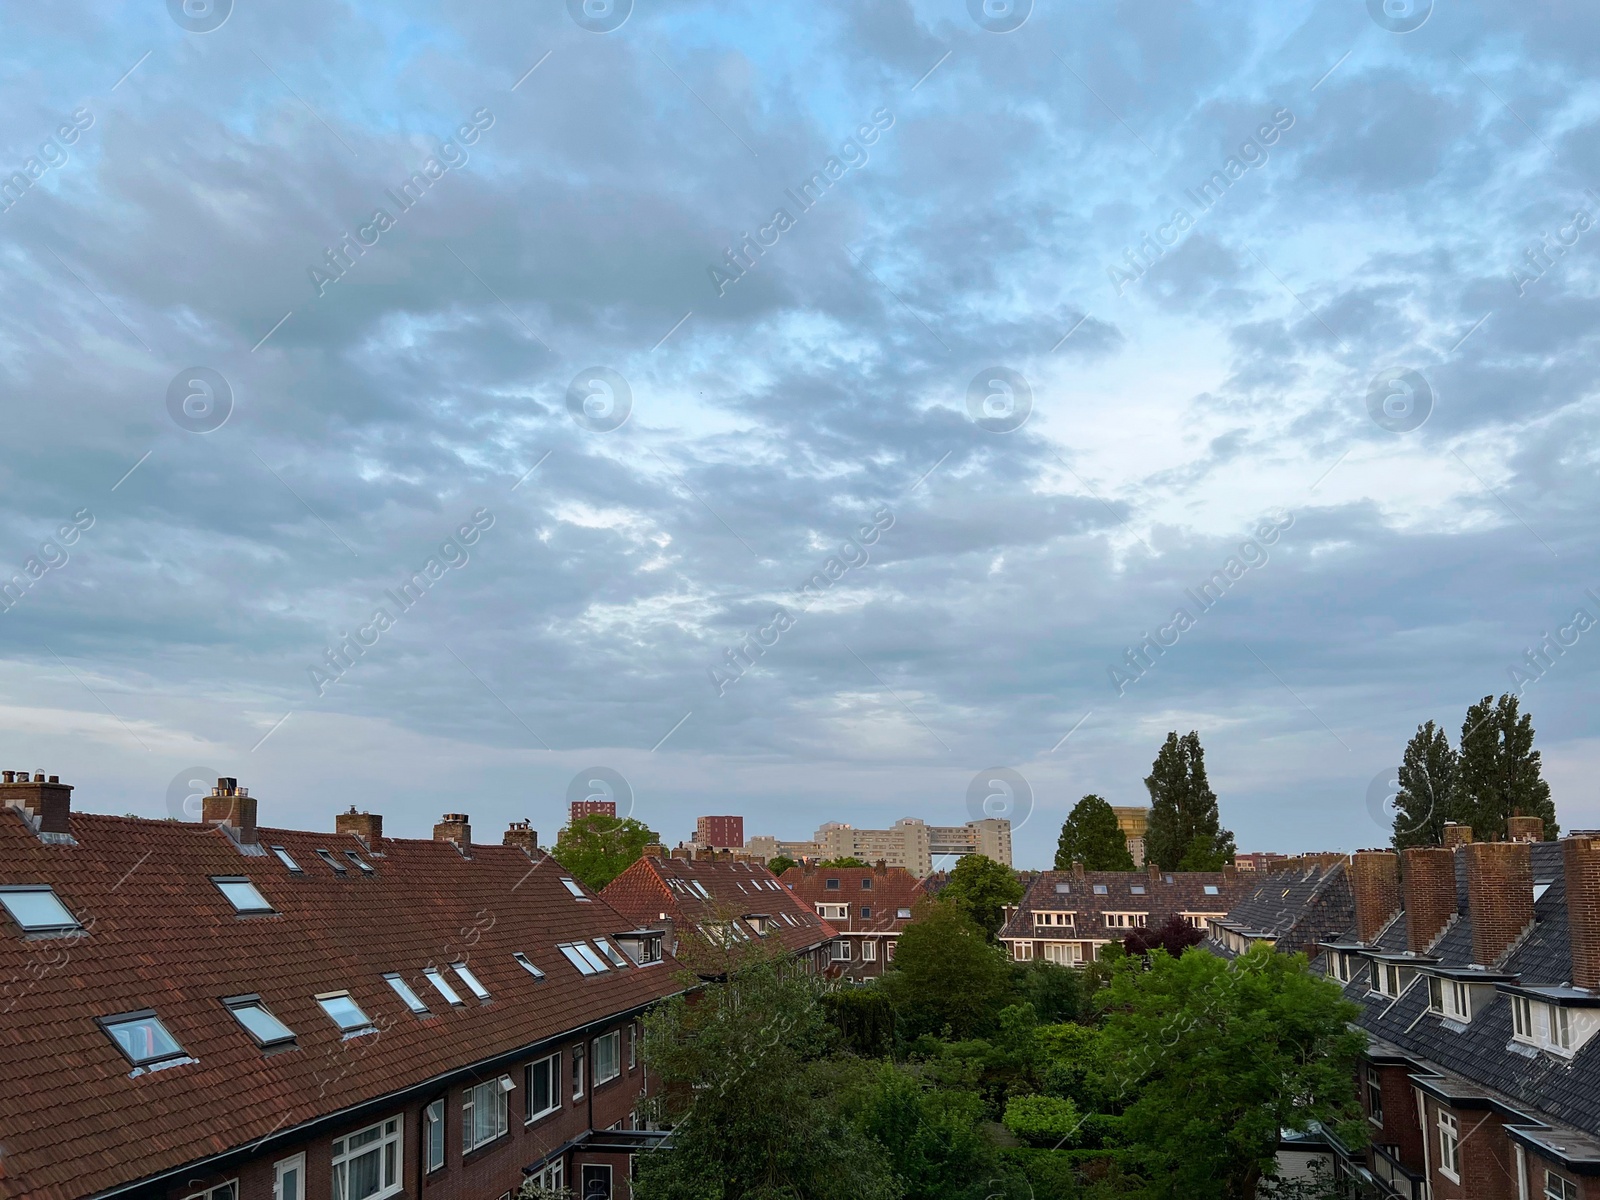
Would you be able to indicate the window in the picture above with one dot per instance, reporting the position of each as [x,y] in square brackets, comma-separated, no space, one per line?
[1056,918]
[607,1057]
[1374,1096]
[1457,1001]
[1339,966]
[289,1178]
[701,888]
[467,977]
[242,894]
[888,952]
[1137,889]
[866,885]
[633,1045]
[407,997]
[834,912]
[143,1038]
[1063,889]
[483,1113]
[345,1012]
[1126,920]
[287,860]
[841,950]
[541,1096]
[338,867]
[581,956]
[1435,994]
[595,1181]
[260,1024]
[1386,979]
[442,985]
[553,1177]
[832,885]
[526,964]
[433,1134]
[577,1072]
[1022,951]
[1558,1187]
[869,951]
[1560,1027]
[1449,1147]
[223,1191]
[367,1163]
[364,867]
[37,910]
[902,914]
[1099,889]
[613,955]
[866,911]
[573,886]
[1211,889]
[1522,1018]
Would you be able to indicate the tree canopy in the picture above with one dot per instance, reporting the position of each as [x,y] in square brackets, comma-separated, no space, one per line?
[1426,797]
[1499,773]
[598,848]
[849,861]
[1185,831]
[780,863]
[1090,834]
[982,888]
[946,974]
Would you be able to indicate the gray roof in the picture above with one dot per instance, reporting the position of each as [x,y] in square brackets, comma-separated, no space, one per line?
[1296,908]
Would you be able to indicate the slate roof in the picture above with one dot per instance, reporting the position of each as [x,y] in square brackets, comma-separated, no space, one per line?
[734,890]
[891,891]
[1566,1092]
[77,1119]
[1294,908]
[1165,895]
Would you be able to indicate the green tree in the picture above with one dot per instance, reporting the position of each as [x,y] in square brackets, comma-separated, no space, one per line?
[598,848]
[1055,992]
[982,888]
[1215,1058]
[1185,831]
[947,979]
[1426,797]
[781,863]
[1499,773]
[755,1105]
[932,1136]
[1049,1121]
[848,862]
[1091,834]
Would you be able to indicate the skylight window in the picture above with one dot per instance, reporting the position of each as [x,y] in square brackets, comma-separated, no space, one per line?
[611,952]
[442,985]
[260,1024]
[471,980]
[327,857]
[143,1038]
[582,957]
[242,894]
[573,886]
[345,1012]
[407,997]
[902,914]
[1099,889]
[37,910]
[1539,889]
[701,888]
[1136,888]
[1063,889]
[1211,889]
[526,964]
[287,860]
[365,867]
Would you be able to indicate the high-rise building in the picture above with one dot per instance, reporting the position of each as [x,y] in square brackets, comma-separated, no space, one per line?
[1133,820]
[591,808]
[909,843]
[721,833]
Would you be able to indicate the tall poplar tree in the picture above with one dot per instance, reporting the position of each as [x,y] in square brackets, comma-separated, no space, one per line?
[1427,797]
[1185,831]
[1091,833]
[1499,773]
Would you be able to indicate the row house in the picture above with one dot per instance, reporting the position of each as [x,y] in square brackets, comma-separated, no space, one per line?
[1066,916]
[1299,905]
[218,1010]
[718,908]
[867,907]
[1477,969]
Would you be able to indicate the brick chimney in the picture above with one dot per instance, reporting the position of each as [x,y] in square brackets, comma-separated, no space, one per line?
[521,833]
[1077,870]
[457,828]
[1429,887]
[48,801]
[366,826]
[654,850]
[1375,879]
[1499,897]
[233,806]
[1155,872]
[1457,835]
[1524,829]
[1581,860]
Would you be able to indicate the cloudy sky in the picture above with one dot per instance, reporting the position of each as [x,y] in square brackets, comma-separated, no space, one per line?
[1074,315]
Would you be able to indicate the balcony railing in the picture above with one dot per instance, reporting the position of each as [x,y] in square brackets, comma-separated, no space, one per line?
[1398,1178]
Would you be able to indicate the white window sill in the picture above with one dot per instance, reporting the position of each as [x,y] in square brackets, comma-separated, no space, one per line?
[1450,1175]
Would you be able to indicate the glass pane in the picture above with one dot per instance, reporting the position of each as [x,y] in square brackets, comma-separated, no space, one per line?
[243,895]
[261,1023]
[347,1014]
[408,997]
[573,887]
[365,1138]
[286,858]
[289,1183]
[37,910]
[145,1040]
[226,1191]
[442,986]
[365,1175]
[471,980]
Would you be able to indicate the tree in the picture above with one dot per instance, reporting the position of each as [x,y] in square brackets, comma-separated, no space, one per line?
[754,1105]
[947,979]
[1048,1121]
[780,863]
[1174,935]
[598,848]
[1090,834]
[982,888]
[848,862]
[1214,1059]
[1499,774]
[932,1136]
[1427,796]
[1184,831]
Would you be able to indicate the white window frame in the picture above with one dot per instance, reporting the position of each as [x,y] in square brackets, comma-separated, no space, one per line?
[1560,1028]
[1457,1000]
[391,1136]
[841,950]
[869,950]
[607,1051]
[1522,1020]
[552,1063]
[1559,1187]
[474,984]
[577,1072]
[1022,951]
[494,1094]
[633,1044]
[295,1162]
[223,1191]
[1435,994]
[433,1123]
[1449,1146]
[1374,1096]
[552,1176]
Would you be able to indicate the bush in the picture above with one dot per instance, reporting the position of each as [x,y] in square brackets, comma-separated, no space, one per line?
[1045,1121]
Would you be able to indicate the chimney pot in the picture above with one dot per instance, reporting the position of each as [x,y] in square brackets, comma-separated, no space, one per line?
[1499,897]
[38,776]
[1524,829]
[1375,880]
[454,827]
[1457,835]
[8,776]
[521,833]
[1581,866]
[1429,886]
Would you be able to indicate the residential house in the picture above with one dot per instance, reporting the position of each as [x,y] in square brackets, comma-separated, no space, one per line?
[219,1010]
[716,906]
[867,908]
[1066,916]
[1297,906]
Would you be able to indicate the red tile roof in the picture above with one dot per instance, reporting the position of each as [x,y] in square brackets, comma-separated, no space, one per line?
[75,1117]
[886,893]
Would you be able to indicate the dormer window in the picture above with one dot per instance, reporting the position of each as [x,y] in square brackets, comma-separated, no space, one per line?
[1449,998]
[1522,1019]
[1386,979]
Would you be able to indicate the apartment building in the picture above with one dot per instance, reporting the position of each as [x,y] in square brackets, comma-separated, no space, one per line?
[866,907]
[717,908]
[1477,969]
[577,809]
[218,1010]
[910,843]
[1133,820]
[1066,916]
[721,833]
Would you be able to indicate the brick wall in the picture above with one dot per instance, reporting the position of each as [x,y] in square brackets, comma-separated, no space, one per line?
[1488,1163]
[1399,1106]
[1582,870]
[1375,879]
[1430,893]
[1499,896]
